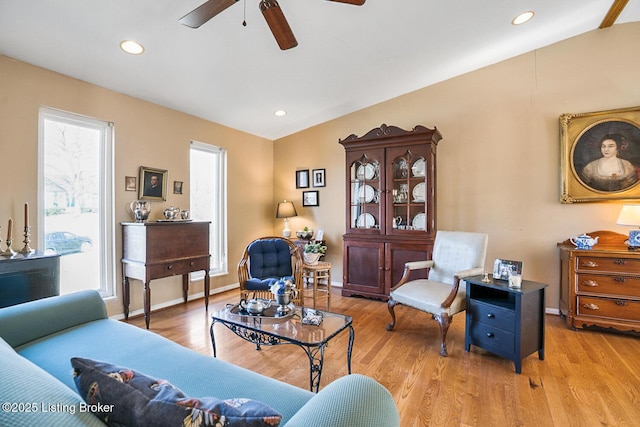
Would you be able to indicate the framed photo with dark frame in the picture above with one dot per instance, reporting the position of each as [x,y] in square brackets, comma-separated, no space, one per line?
[130,183]
[310,198]
[177,187]
[153,183]
[600,156]
[318,177]
[302,178]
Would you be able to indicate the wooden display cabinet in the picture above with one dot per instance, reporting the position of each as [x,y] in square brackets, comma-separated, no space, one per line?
[390,206]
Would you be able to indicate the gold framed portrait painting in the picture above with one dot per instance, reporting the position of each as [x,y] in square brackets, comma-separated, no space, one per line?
[600,156]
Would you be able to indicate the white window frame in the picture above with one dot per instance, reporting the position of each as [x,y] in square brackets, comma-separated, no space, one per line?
[218,230]
[106,274]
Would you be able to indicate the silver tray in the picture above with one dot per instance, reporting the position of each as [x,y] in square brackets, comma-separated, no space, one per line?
[270,315]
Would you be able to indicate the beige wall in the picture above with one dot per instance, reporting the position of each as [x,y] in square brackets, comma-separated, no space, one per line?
[498,164]
[145,135]
[499,161]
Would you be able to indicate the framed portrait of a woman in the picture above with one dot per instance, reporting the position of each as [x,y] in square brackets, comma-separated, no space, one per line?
[600,156]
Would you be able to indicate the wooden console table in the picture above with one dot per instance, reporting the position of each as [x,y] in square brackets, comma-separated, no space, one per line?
[27,278]
[153,250]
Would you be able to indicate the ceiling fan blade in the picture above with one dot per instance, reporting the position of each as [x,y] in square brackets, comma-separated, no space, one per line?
[613,13]
[354,2]
[278,24]
[204,12]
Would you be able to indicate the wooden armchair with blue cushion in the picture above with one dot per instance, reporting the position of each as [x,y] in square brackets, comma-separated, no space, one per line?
[456,255]
[265,261]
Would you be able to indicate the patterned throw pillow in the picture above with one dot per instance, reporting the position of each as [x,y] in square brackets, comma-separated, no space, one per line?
[123,397]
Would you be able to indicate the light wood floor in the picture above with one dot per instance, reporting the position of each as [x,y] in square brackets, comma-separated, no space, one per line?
[588,378]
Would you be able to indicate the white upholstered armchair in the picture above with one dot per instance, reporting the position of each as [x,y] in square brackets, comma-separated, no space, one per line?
[456,255]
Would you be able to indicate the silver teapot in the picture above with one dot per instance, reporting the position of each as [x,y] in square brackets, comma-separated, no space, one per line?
[254,306]
[171,212]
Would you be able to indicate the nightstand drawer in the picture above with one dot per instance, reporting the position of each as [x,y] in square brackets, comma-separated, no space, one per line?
[605,265]
[608,308]
[492,339]
[492,315]
[173,268]
[608,285]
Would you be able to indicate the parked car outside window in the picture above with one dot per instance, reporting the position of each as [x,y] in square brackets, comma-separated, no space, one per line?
[64,242]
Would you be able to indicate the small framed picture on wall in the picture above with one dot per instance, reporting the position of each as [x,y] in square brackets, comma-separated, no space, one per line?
[302,178]
[317,176]
[310,198]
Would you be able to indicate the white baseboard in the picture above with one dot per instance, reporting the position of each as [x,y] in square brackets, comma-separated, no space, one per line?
[140,311]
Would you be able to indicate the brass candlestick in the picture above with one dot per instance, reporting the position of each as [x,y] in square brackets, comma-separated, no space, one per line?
[27,249]
[8,251]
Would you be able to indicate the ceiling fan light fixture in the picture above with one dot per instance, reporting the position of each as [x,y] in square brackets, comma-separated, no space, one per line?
[280,113]
[523,17]
[132,47]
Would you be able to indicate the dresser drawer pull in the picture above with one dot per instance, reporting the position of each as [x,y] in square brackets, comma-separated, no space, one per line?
[621,303]
[590,264]
[620,279]
[490,335]
[591,306]
[191,264]
[491,316]
[620,261]
[590,283]
[169,267]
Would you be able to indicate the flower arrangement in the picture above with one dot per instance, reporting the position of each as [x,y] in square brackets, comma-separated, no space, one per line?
[282,286]
[314,247]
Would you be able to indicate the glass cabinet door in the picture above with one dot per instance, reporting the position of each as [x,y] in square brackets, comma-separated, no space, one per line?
[409,192]
[365,194]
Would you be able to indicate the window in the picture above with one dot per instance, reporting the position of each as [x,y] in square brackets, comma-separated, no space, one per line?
[75,199]
[208,198]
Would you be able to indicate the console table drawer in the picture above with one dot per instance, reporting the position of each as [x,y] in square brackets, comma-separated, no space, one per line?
[493,339]
[628,286]
[173,268]
[603,264]
[608,308]
[492,315]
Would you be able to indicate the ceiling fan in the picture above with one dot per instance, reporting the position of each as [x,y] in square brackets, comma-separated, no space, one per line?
[270,10]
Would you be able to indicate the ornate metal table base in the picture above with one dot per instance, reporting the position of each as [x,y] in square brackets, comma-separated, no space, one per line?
[314,351]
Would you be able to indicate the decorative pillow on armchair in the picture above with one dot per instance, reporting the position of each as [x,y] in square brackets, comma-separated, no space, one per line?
[123,397]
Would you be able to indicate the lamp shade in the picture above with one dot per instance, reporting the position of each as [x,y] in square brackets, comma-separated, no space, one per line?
[629,215]
[286,210]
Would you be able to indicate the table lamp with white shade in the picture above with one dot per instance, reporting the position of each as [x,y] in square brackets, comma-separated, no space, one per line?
[286,210]
[630,215]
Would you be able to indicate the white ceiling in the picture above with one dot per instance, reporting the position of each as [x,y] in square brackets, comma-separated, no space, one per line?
[348,57]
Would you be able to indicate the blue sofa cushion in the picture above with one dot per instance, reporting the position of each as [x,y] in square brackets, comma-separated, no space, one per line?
[121,396]
[29,394]
[270,258]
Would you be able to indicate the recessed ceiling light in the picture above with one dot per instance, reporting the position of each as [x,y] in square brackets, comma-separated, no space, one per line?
[523,17]
[280,113]
[132,47]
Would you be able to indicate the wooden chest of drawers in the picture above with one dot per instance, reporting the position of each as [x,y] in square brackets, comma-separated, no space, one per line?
[153,250]
[600,286]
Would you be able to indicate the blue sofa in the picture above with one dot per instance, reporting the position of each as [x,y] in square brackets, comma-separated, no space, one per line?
[39,338]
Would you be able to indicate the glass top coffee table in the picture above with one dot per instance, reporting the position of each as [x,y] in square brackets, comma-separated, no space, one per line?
[274,328]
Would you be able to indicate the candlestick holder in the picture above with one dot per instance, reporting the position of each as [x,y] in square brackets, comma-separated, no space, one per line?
[486,279]
[8,251]
[27,234]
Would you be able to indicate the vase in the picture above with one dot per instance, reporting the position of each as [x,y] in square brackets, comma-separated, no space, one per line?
[311,258]
[283,301]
